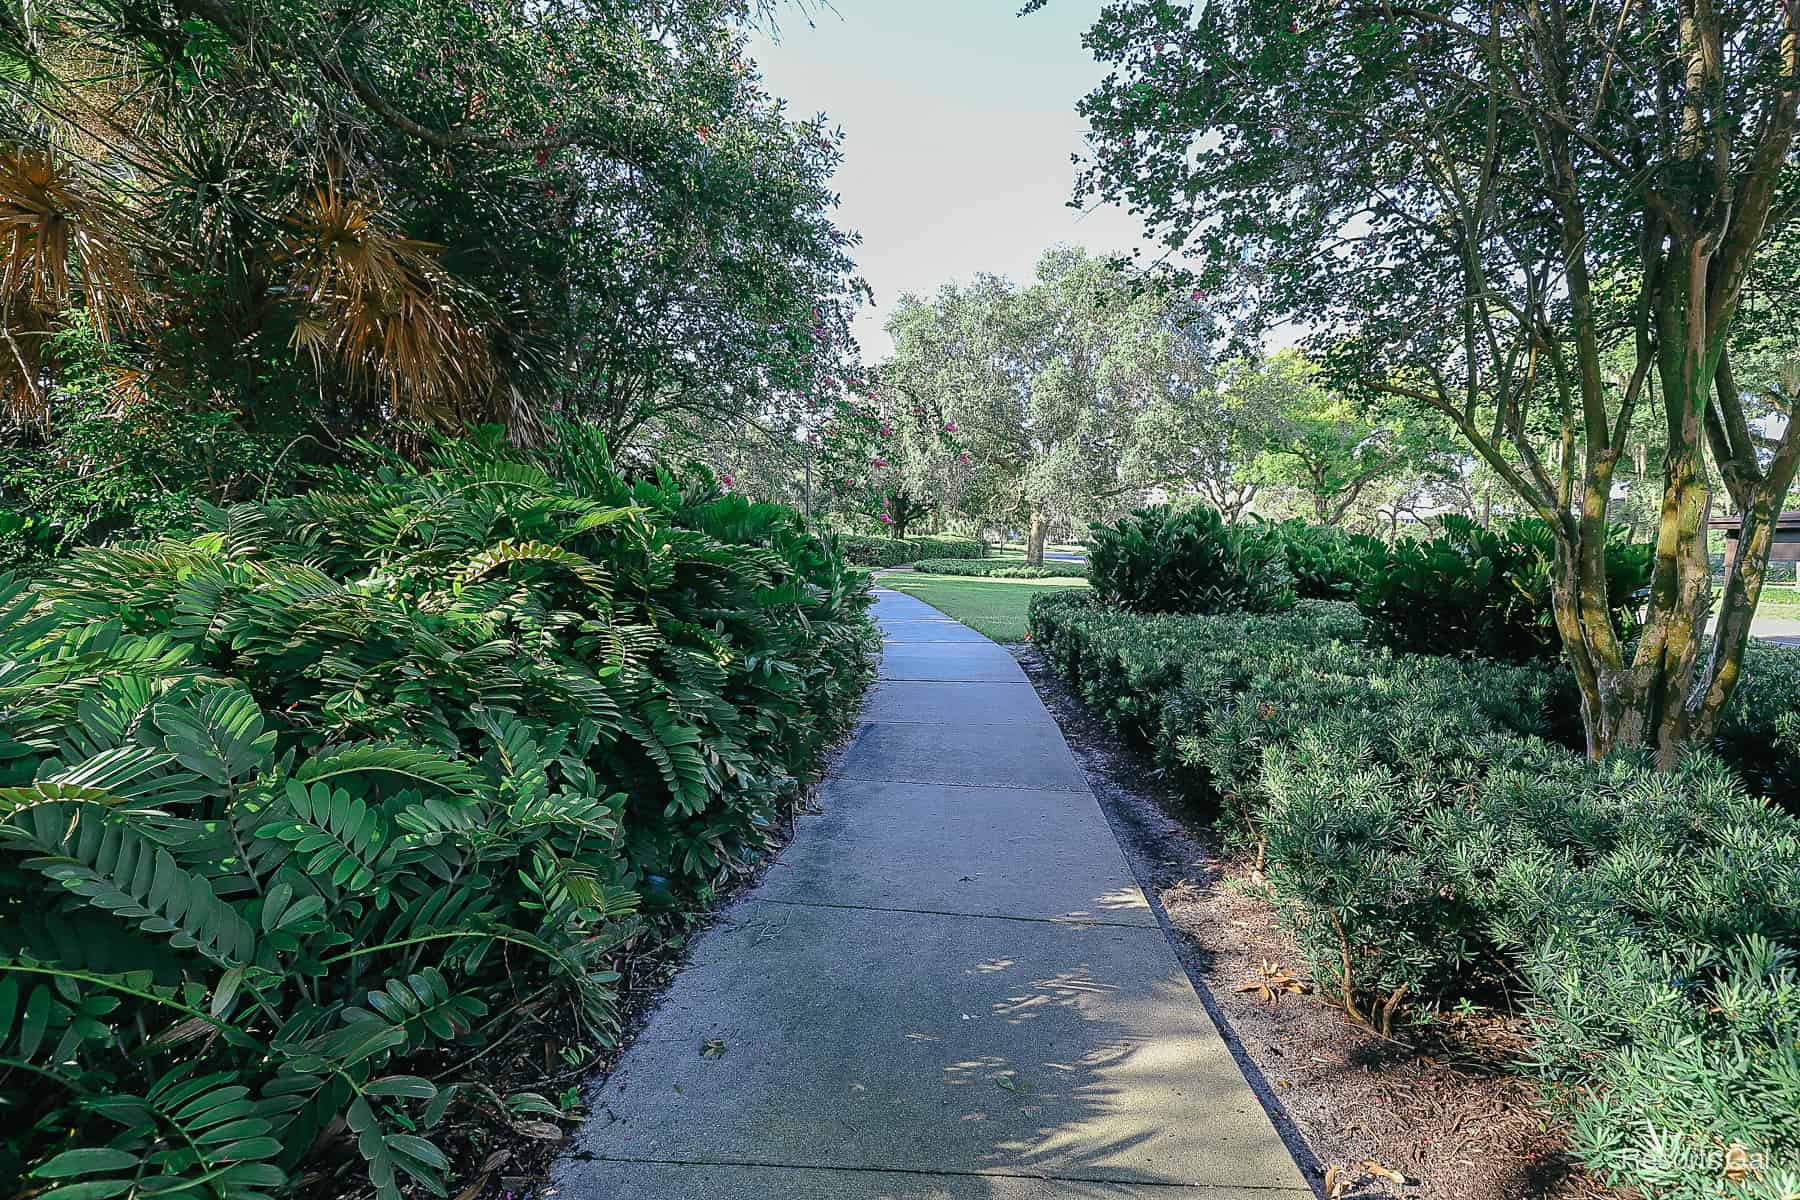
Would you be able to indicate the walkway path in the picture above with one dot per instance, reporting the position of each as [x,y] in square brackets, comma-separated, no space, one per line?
[948,988]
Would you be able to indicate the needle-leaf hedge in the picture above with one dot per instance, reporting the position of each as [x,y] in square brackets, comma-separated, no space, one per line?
[1427,840]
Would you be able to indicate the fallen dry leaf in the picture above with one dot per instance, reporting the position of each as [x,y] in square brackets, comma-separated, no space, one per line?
[1276,981]
[1380,1172]
[1337,1182]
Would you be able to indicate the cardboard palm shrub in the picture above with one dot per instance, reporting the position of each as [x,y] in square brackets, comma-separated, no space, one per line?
[1159,560]
[304,809]
[1329,563]
[1475,590]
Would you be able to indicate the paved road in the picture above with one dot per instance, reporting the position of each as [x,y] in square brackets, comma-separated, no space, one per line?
[949,987]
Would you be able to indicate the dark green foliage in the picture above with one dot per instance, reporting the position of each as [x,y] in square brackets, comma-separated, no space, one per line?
[1759,731]
[124,463]
[333,796]
[1426,843]
[1328,563]
[892,552]
[1158,560]
[1473,590]
[1001,568]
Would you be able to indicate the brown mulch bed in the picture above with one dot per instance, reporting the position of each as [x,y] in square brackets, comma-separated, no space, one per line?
[1439,1107]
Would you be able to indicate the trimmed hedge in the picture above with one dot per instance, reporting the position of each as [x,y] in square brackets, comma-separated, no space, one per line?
[340,794]
[1426,842]
[1000,568]
[893,552]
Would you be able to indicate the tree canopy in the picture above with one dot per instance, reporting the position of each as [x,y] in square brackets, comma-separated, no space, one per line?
[1483,209]
[293,222]
[1057,387]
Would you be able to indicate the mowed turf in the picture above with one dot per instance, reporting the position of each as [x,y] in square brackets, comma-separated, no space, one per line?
[994,608]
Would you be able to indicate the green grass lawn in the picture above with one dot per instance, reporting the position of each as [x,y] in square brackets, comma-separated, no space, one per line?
[994,607]
[1017,549]
[1779,600]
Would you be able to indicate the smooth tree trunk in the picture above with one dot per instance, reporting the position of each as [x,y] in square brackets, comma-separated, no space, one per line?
[1034,541]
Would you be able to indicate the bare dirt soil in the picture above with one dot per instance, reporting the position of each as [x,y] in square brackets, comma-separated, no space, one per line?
[1439,1108]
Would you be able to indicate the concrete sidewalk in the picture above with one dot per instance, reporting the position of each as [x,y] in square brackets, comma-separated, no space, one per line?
[948,988]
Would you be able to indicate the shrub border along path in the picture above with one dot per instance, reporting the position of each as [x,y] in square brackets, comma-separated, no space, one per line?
[949,986]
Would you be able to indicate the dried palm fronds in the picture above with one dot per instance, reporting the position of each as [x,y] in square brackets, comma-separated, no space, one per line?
[64,242]
[383,306]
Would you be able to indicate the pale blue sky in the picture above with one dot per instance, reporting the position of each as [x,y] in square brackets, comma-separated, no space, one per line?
[959,119]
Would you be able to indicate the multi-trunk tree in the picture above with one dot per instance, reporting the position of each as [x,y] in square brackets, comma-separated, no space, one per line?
[1478,206]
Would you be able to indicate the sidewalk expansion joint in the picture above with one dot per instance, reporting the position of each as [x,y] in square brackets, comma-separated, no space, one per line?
[973,916]
[916,679]
[1003,787]
[1171,1185]
[1047,720]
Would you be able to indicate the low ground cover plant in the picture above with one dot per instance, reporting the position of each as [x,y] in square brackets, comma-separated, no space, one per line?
[1000,568]
[893,552]
[1428,842]
[301,816]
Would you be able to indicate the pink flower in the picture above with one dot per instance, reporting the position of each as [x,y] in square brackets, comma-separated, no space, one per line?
[1197,295]
[949,426]
[964,458]
[727,480]
[886,520]
[881,462]
[887,431]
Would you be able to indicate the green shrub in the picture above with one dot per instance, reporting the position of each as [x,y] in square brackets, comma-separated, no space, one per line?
[1158,560]
[1000,568]
[1485,591]
[893,552]
[1426,843]
[948,547]
[332,797]
[1759,732]
[1328,563]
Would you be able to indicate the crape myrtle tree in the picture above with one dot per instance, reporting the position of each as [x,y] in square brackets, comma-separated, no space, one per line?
[1047,386]
[1472,205]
